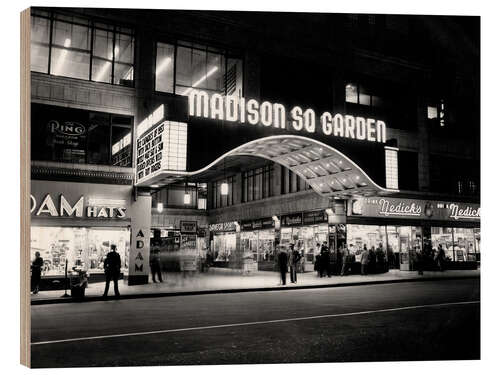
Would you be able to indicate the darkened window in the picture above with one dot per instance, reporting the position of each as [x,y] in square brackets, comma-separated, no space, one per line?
[185,66]
[408,170]
[436,113]
[172,196]
[358,94]
[454,175]
[257,183]
[78,136]
[80,48]
[220,200]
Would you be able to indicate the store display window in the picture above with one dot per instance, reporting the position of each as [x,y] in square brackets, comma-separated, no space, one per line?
[373,236]
[459,244]
[463,244]
[82,247]
[224,245]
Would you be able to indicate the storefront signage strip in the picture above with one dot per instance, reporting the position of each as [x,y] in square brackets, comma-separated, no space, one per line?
[467,213]
[65,208]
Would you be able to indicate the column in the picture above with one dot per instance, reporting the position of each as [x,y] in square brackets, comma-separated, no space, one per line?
[140,213]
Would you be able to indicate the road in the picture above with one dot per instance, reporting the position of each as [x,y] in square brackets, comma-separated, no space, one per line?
[431,320]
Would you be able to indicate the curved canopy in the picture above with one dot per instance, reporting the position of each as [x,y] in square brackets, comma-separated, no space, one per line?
[328,171]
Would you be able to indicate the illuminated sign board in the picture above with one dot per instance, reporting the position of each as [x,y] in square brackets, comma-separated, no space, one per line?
[161,147]
[243,111]
[413,208]
[95,208]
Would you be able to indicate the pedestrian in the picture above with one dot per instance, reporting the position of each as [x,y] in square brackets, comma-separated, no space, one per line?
[420,262]
[317,264]
[36,272]
[440,258]
[345,262]
[283,264]
[371,260]
[331,262]
[155,263]
[324,259]
[294,264]
[364,261]
[112,266]
[380,259]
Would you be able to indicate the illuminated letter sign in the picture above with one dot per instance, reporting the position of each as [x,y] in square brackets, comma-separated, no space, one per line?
[240,110]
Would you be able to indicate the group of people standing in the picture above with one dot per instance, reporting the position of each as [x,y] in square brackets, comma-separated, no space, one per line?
[289,260]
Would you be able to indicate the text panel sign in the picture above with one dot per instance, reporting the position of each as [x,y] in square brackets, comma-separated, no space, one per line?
[414,209]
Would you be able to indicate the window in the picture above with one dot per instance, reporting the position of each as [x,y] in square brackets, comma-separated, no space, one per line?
[185,66]
[459,244]
[391,168]
[358,94]
[436,112]
[79,48]
[219,200]
[79,246]
[291,182]
[257,183]
[77,136]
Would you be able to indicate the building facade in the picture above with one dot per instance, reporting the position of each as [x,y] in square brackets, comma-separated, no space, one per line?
[235,132]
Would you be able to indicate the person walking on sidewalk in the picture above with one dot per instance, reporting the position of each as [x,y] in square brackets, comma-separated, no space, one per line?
[420,262]
[283,264]
[156,264]
[324,259]
[346,262]
[36,272]
[440,258]
[364,261]
[294,263]
[112,266]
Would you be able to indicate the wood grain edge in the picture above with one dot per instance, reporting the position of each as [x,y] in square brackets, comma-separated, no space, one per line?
[25,188]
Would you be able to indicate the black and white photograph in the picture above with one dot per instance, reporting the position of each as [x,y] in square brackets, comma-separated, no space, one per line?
[223,187]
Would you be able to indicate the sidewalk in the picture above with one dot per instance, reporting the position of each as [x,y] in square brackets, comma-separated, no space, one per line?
[221,280]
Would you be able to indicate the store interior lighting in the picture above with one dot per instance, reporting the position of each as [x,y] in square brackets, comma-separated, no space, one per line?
[197,83]
[159,207]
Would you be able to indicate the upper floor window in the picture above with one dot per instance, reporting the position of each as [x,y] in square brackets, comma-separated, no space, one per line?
[79,48]
[436,112]
[358,94]
[76,136]
[258,183]
[186,66]
[223,200]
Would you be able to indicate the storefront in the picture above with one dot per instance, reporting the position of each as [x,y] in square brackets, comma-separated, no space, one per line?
[258,238]
[223,243]
[403,227]
[74,225]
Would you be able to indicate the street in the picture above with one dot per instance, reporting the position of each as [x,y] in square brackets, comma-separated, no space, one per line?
[432,320]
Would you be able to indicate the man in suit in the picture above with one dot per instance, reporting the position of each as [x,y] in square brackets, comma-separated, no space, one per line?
[283,264]
[112,266]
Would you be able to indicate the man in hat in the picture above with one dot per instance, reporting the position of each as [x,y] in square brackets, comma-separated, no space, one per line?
[283,264]
[112,266]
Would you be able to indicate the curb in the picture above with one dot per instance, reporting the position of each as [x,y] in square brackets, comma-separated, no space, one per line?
[228,291]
